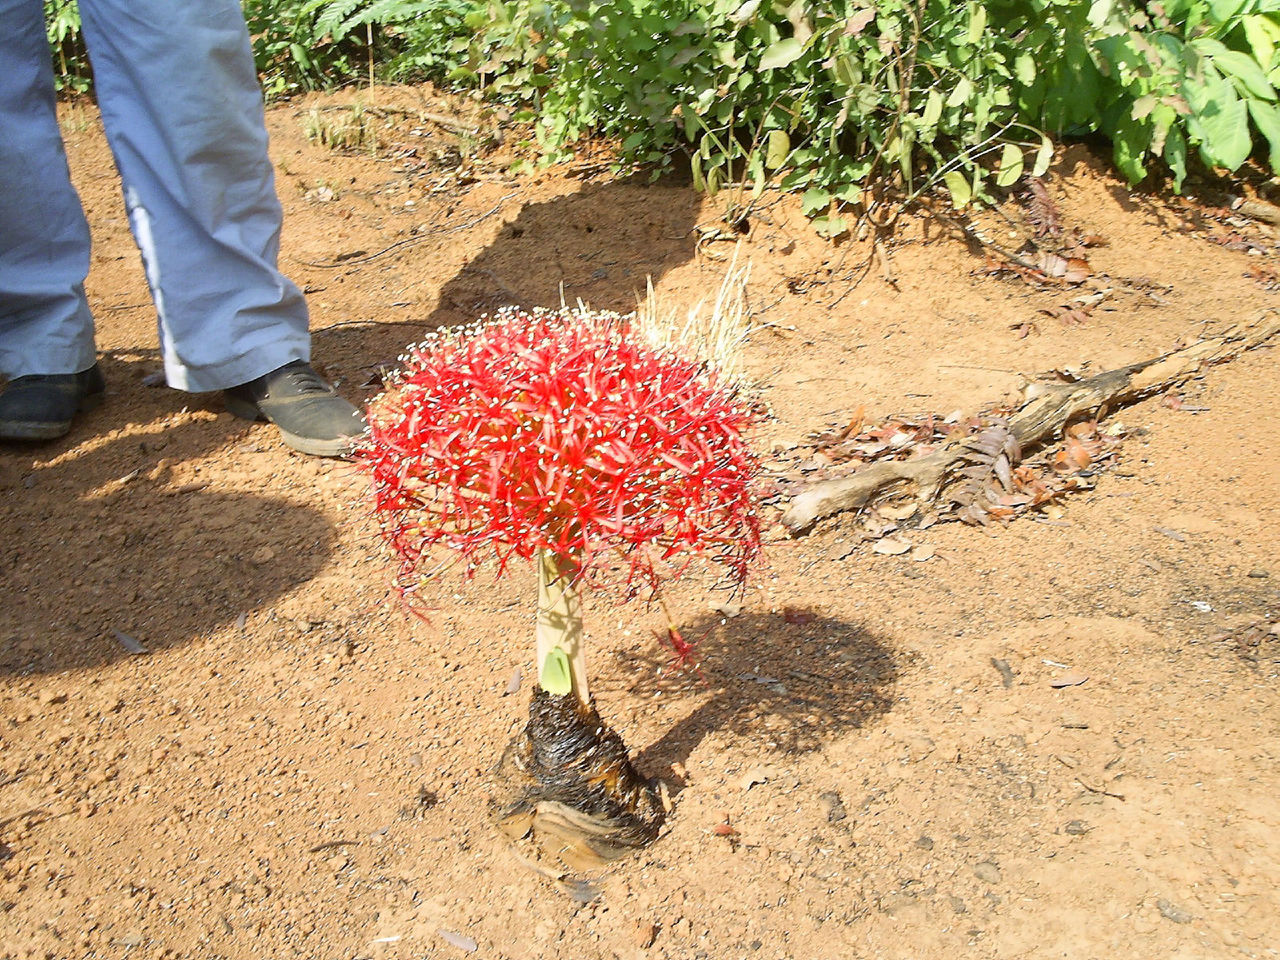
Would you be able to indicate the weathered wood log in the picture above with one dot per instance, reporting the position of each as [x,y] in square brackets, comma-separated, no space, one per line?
[1047,408]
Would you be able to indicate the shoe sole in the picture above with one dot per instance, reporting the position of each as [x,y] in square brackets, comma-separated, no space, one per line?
[338,447]
[44,429]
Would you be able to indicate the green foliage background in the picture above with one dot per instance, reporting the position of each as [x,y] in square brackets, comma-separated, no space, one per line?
[839,100]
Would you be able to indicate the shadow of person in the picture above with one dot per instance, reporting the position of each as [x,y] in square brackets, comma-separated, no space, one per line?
[787,682]
[599,245]
[103,537]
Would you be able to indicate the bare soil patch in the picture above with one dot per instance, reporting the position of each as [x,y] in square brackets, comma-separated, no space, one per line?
[891,755]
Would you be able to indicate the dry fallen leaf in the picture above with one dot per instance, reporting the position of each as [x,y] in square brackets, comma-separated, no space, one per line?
[891,547]
[798,615]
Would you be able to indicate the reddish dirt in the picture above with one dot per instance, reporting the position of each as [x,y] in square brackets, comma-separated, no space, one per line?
[297,769]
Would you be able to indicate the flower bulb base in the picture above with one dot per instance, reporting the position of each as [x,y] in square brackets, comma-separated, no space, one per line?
[567,787]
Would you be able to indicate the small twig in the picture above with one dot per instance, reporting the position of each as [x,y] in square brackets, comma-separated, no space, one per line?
[1105,793]
[409,241]
[333,844]
[973,366]
[865,267]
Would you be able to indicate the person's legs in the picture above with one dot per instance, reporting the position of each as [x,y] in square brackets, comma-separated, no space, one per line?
[45,327]
[183,113]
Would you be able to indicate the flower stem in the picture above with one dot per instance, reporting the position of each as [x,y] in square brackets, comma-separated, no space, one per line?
[559,626]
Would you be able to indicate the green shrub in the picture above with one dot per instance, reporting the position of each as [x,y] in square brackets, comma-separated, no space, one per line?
[421,39]
[841,99]
[70,65]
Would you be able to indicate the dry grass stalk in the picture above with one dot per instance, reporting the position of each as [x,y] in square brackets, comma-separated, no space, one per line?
[716,337]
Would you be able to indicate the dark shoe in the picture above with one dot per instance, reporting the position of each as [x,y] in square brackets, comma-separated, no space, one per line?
[42,406]
[310,414]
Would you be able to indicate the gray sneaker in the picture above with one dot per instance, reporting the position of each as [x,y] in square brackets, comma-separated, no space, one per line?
[310,414]
[42,406]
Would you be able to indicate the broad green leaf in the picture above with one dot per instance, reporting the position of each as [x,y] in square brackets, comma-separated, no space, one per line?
[1044,157]
[977,23]
[1024,68]
[981,110]
[1100,11]
[1224,127]
[829,227]
[1010,165]
[781,54]
[1129,142]
[1244,68]
[962,92]
[813,200]
[850,193]
[958,184]
[1224,10]
[777,146]
[1266,117]
[555,677]
[1209,46]
[1260,40]
[932,110]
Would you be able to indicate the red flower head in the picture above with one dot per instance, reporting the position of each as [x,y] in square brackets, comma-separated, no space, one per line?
[562,431]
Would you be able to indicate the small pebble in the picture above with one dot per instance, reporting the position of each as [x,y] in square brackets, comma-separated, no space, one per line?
[987,872]
[1259,574]
[644,934]
[834,806]
[1171,911]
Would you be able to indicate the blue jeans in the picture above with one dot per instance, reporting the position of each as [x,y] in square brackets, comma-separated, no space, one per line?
[182,109]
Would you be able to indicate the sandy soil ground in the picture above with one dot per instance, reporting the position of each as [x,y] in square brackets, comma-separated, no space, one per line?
[297,769]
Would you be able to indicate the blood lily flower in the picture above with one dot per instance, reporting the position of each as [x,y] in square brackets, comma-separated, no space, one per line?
[565,438]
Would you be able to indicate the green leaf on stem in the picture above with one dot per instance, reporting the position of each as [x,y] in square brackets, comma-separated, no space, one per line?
[1010,165]
[958,184]
[781,54]
[555,677]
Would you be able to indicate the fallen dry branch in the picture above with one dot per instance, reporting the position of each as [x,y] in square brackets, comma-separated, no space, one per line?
[1047,409]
